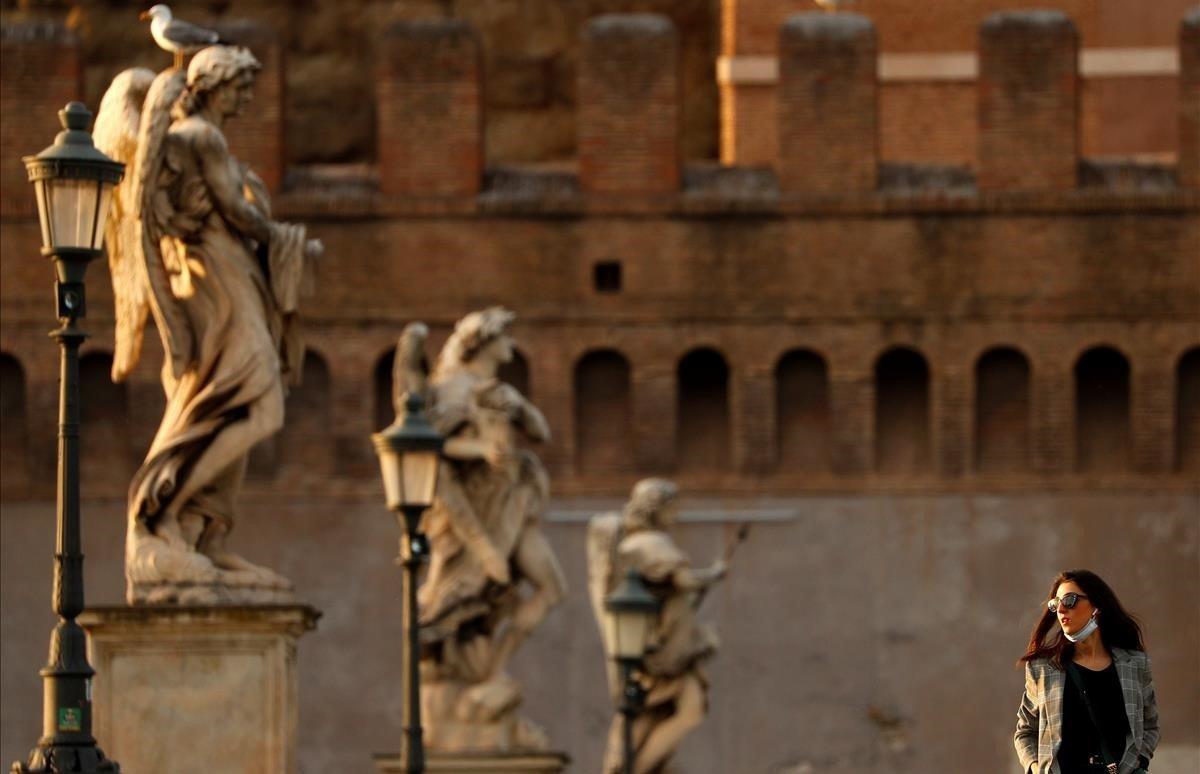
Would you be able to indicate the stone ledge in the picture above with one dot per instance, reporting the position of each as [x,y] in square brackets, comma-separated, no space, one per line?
[292,619]
[468,763]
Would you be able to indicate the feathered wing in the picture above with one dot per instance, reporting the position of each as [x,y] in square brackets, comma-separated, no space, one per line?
[603,534]
[156,212]
[116,134]
[410,369]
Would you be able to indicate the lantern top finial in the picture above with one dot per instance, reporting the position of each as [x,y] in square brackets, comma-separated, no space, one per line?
[75,117]
[73,154]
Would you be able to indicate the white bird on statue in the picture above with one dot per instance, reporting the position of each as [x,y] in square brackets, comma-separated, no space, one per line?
[178,37]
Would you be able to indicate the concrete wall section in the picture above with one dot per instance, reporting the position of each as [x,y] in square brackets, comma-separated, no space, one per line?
[861,634]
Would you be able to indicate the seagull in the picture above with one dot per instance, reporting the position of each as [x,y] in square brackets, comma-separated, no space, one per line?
[178,37]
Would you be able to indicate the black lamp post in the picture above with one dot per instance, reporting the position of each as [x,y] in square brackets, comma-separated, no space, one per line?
[74,184]
[409,452]
[632,612]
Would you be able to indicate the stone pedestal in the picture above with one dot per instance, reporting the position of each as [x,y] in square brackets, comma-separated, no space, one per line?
[197,689]
[480,763]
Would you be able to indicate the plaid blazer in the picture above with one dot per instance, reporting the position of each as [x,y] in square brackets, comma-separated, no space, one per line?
[1039,718]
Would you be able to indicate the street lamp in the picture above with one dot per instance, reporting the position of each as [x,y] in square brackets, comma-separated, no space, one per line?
[632,613]
[409,454]
[74,183]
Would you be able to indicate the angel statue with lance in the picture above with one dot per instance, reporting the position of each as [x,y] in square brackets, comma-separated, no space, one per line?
[192,243]
[670,678]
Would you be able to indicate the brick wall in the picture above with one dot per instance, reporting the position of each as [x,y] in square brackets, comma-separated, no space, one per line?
[1189,101]
[428,94]
[718,261]
[827,104]
[257,136]
[1028,102]
[41,75]
[629,102]
[932,120]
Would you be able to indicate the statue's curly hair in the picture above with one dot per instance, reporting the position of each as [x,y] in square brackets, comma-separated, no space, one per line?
[646,501]
[209,69]
[471,334]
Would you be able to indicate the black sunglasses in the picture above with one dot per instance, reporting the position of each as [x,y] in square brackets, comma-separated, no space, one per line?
[1068,600]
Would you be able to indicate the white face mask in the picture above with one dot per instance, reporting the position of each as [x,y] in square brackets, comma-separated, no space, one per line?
[1085,632]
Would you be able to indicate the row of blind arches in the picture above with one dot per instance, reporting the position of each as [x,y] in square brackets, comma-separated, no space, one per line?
[902,413]
[603,411]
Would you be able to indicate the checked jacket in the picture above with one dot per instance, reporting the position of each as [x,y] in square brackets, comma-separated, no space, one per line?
[1039,718]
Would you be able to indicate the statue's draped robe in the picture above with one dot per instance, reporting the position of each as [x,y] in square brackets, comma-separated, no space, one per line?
[475,502]
[679,641]
[239,302]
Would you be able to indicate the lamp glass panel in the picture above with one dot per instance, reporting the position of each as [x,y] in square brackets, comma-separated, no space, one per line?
[420,477]
[389,467]
[630,634]
[102,215]
[43,205]
[72,212]
[609,633]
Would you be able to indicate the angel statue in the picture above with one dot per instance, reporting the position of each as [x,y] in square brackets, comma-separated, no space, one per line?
[191,242]
[671,681]
[493,576]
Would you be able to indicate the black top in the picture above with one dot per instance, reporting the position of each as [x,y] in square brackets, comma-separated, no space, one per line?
[1078,733]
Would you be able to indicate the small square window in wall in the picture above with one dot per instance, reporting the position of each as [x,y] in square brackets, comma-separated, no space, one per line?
[607,277]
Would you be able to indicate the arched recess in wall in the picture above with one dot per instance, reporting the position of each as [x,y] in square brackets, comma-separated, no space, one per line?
[106,458]
[306,441]
[802,412]
[1187,412]
[14,427]
[385,411]
[702,436]
[1102,435]
[603,413]
[1002,411]
[516,373]
[902,438]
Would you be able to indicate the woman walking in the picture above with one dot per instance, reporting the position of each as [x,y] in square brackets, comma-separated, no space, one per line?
[1089,705]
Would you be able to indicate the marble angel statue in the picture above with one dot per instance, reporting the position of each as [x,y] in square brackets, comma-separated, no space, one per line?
[493,576]
[192,244]
[671,679]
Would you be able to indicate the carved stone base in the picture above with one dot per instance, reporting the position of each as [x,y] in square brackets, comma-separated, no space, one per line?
[481,763]
[158,572]
[477,718]
[196,690]
[206,594]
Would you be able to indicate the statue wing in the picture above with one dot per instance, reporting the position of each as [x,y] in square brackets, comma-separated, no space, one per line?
[410,369]
[603,534]
[155,215]
[116,134]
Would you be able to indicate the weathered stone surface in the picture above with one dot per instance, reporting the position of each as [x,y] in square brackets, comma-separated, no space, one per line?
[227,371]
[465,763]
[197,690]
[329,87]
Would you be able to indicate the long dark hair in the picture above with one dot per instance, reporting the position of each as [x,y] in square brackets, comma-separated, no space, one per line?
[1118,628]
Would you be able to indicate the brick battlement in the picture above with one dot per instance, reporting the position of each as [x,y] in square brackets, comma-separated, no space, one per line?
[430,76]
[830,319]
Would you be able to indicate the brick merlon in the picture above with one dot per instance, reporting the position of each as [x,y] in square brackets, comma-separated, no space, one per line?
[1026,20]
[629,25]
[37,31]
[818,25]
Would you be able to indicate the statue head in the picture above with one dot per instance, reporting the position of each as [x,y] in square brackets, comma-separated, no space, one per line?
[478,332]
[219,72]
[651,505]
